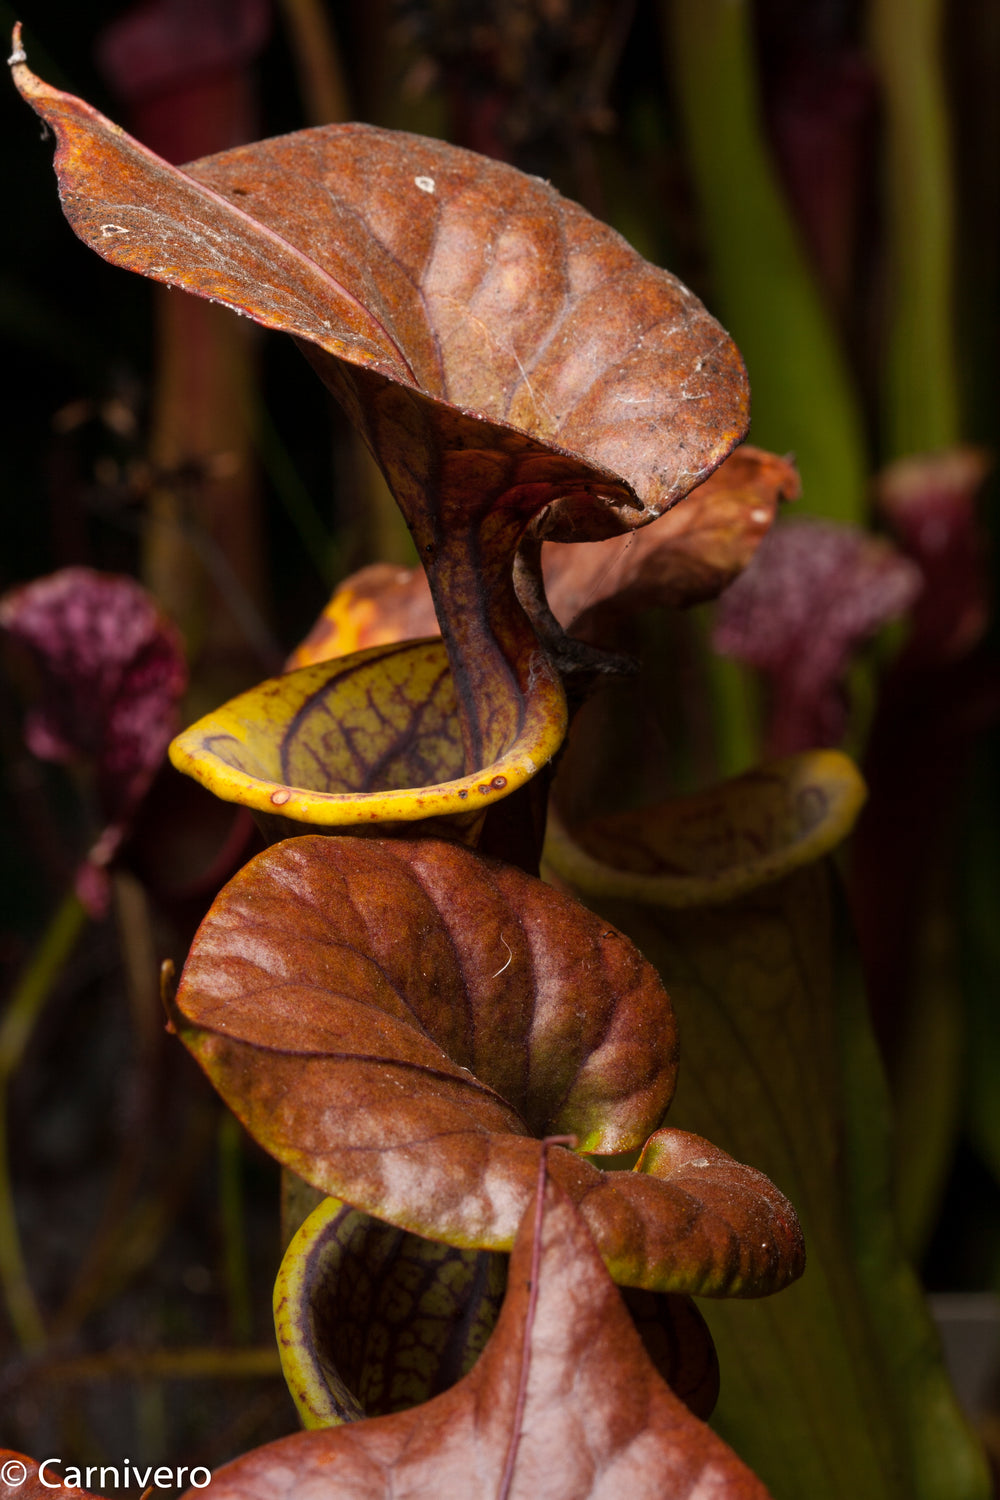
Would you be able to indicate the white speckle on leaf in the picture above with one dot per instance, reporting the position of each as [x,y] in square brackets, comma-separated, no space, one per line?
[699,1161]
[425,184]
[109,229]
[759,516]
[17,56]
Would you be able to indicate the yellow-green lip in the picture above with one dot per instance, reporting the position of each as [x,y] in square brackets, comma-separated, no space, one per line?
[355,718]
[718,844]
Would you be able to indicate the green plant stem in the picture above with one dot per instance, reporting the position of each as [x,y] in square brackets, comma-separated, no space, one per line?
[158,1364]
[314,534]
[803,396]
[16,1029]
[382,535]
[149,1410]
[735,698]
[947,1459]
[920,380]
[235,1263]
[138,956]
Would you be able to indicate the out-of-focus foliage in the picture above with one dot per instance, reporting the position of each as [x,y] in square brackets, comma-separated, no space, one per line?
[827,178]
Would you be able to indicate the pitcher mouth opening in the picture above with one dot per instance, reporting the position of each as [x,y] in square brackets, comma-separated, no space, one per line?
[318,747]
[718,844]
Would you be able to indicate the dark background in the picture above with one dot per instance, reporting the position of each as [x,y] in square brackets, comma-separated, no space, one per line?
[581,94]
